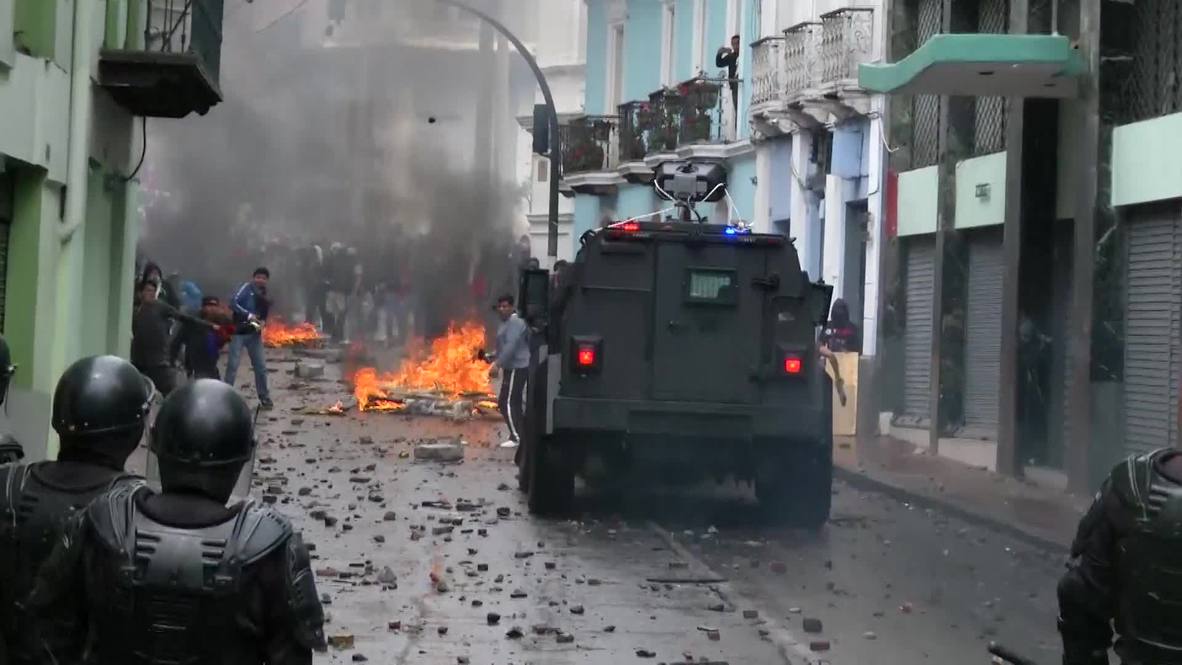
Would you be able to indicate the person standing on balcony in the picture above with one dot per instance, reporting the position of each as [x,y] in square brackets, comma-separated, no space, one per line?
[728,57]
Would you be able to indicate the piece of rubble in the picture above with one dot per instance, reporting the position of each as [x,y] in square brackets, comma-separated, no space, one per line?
[309,369]
[442,630]
[819,645]
[359,658]
[462,660]
[387,576]
[517,594]
[342,641]
[609,629]
[645,653]
[564,638]
[493,618]
[515,633]
[870,635]
[389,516]
[504,511]
[394,625]
[750,614]
[811,625]
[379,538]
[576,609]
[446,450]
[365,440]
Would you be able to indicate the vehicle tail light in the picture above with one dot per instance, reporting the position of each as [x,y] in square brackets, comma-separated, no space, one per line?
[793,365]
[586,355]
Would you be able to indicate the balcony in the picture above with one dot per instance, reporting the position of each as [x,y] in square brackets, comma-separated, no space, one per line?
[847,42]
[809,76]
[589,154]
[172,68]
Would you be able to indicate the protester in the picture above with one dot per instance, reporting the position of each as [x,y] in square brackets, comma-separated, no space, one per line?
[251,306]
[202,344]
[340,283]
[841,335]
[153,273]
[511,356]
[151,337]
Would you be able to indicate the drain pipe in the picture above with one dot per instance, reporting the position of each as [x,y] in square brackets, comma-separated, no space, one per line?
[80,113]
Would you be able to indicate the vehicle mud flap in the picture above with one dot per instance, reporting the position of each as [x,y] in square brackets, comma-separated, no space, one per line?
[797,485]
[543,472]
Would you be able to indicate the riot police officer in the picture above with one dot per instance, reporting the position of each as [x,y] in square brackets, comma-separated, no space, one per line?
[99,411]
[10,449]
[1124,568]
[177,576]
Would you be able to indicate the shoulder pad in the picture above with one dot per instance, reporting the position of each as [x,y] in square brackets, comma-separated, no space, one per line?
[10,449]
[260,531]
[110,515]
[1130,480]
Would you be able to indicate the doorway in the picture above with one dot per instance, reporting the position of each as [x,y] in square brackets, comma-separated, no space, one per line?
[853,282]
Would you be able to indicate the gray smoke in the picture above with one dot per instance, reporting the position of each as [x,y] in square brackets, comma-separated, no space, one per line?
[367,122]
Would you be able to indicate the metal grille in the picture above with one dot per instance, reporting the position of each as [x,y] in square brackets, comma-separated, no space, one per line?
[925,117]
[982,361]
[1152,87]
[993,16]
[989,128]
[917,336]
[1152,348]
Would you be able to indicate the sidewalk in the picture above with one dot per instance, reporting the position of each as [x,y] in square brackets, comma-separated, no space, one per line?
[1044,516]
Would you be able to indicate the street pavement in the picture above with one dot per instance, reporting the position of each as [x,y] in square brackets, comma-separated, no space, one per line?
[433,562]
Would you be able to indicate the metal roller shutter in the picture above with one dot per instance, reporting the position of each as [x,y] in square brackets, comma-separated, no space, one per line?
[1059,425]
[982,356]
[1154,302]
[917,336]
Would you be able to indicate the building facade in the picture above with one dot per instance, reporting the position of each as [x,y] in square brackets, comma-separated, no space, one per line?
[1034,230]
[74,76]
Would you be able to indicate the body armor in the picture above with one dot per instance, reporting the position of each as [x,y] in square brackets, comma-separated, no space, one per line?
[34,508]
[1148,562]
[160,594]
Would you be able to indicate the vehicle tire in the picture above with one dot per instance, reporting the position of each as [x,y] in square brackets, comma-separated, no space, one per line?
[551,481]
[801,494]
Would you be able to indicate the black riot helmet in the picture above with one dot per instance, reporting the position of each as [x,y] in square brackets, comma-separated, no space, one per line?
[100,408]
[7,369]
[202,438]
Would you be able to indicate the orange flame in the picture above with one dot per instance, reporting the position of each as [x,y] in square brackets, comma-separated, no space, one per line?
[277,334]
[450,368]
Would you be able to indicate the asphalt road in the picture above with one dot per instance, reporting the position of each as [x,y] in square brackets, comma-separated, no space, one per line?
[427,562]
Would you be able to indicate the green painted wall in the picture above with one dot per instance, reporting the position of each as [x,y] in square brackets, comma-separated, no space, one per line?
[917,201]
[35,27]
[125,229]
[1145,164]
[96,267]
[32,252]
[988,171]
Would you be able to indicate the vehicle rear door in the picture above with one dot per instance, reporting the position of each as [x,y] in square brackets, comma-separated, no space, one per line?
[707,317]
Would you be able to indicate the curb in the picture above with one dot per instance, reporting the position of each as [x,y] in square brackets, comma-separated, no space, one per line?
[864,481]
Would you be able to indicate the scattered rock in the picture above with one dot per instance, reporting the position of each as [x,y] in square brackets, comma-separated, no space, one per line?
[750,614]
[576,609]
[717,607]
[565,638]
[811,625]
[451,450]
[389,516]
[517,594]
[304,491]
[379,538]
[330,521]
[442,630]
[359,658]
[442,530]
[870,635]
[387,576]
[394,625]
[550,565]
[514,634]
[504,512]
[365,440]
[493,618]
[645,653]
[609,629]
[343,641]
[522,555]
[819,645]
[462,660]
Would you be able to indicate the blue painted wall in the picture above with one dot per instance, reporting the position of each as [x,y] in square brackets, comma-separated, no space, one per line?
[740,185]
[596,73]
[642,49]
[749,30]
[683,62]
[637,200]
[716,36]
[780,173]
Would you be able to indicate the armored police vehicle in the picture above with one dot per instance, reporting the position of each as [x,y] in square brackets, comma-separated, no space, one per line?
[678,351]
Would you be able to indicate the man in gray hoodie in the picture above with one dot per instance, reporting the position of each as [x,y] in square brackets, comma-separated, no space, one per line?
[512,357]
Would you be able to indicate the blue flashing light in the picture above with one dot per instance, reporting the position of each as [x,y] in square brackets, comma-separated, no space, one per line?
[730,231]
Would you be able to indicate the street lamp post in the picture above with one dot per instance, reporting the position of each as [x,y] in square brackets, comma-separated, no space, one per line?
[555,152]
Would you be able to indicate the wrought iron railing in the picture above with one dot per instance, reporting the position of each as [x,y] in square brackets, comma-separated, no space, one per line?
[587,144]
[631,132]
[768,72]
[187,26]
[705,109]
[847,40]
[802,44]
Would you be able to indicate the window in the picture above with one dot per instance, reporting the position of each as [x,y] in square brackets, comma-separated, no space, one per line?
[702,58]
[543,169]
[711,285]
[615,69]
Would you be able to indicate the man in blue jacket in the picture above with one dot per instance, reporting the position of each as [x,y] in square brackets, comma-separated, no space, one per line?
[512,358]
[250,305]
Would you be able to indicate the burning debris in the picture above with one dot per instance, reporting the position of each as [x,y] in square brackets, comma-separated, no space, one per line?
[446,379]
[277,334]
